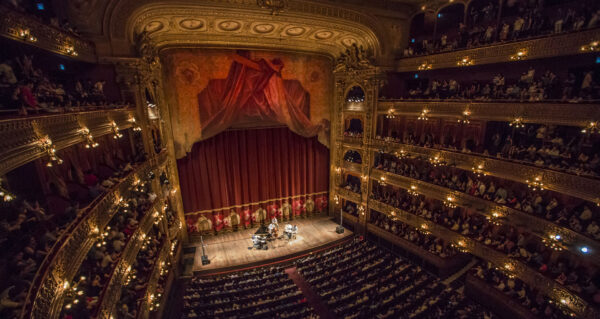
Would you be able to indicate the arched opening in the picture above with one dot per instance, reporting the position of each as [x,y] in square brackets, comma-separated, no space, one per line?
[355,99]
[353,157]
[450,29]
[353,128]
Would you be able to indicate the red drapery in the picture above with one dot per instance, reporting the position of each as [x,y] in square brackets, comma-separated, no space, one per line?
[256,90]
[239,167]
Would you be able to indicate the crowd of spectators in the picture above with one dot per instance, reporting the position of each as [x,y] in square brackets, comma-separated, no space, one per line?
[419,237]
[565,268]
[29,230]
[561,148]
[133,290]
[97,269]
[352,183]
[265,292]
[529,87]
[353,133]
[42,11]
[359,280]
[26,88]
[531,20]
[353,157]
[518,291]
[580,216]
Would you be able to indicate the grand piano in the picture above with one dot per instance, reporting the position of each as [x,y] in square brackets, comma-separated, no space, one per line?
[260,237]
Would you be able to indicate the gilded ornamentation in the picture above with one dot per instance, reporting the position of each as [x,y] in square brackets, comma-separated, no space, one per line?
[276,6]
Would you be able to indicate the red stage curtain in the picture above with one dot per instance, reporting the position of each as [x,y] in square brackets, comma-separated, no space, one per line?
[255,89]
[244,166]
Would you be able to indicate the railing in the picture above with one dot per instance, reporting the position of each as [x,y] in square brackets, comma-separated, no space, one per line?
[162,256]
[352,167]
[19,26]
[538,226]
[350,218]
[20,137]
[551,46]
[565,183]
[494,299]
[349,195]
[112,291]
[530,276]
[542,113]
[354,141]
[67,254]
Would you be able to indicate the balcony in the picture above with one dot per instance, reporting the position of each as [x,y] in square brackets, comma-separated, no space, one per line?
[64,258]
[543,113]
[352,142]
[550,46]
[538,226]
[348,195]
[565,183]
[530,276]
[21,27]
[20,139]
[352,167]
[164,254]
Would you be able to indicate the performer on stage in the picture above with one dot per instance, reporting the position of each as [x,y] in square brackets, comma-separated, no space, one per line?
[274,221]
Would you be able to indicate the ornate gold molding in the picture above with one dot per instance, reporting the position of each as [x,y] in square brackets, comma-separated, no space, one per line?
[20,138]
[45,296]
[565,183]
[19,26]
[352,167]
[538,226]
[348,195]
[552,46]
[162,257]
[543,113]
[533,278]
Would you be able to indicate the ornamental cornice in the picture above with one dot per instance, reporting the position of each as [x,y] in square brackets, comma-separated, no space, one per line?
[541,113]
[569,184]
[546,47]
[20,139]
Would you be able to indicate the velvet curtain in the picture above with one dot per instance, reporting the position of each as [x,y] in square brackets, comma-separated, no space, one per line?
[239,172]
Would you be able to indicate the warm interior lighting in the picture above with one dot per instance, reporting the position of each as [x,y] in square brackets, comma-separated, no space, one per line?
[423,116]
[115,130]
[517,123]
[535,184]
[465,117]
[425,66]
[592,46]
[591,128]
[465,61]
[390,114]
[478,170]
[520,55]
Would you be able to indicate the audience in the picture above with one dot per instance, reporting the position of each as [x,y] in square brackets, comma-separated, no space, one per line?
[352,157]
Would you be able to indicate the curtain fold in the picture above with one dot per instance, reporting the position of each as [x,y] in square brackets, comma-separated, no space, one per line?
[236,168]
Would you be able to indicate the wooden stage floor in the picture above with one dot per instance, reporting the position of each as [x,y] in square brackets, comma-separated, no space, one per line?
[231,250]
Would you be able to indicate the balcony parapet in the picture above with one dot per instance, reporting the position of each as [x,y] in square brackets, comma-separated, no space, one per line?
[112,292]
[538,226]
[352,167]
[568,114]
[159,265]
[545,47]
[569,184]
[530,276]
[353,142]
[350,218]
[20,139]
[66,255]
[348,195]
[21,27]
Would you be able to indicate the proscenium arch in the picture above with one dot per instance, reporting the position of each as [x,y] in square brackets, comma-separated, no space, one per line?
[322,34]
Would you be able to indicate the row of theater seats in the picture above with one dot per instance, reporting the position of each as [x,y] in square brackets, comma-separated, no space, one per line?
[360,280]
[520,20]
[97,269]
[562,266]
[265,292]
[561,148]
[576,214]
[419,237]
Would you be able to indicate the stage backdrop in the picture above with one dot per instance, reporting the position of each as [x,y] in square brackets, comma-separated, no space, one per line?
[251,130]
[212,90]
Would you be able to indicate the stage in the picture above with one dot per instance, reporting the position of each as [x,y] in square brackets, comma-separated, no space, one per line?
[228,251]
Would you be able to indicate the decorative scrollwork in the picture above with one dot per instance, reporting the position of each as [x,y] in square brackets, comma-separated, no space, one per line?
[276,6]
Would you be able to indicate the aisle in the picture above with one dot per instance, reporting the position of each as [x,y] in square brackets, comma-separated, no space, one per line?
[312,298]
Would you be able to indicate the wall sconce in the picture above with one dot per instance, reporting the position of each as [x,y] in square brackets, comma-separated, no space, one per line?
[423,8]
[413,190]
[465,61]
[425,66]
[50,150]
[89,139]
[70,50]
[460,246]
[436,161]
[423,116]
[400,154]
[5,195]
[449,202]
[136,128]
[390,114]
[364,178]
[535,184]
[494,218]
[509,267]
[592,46]
[553,242]
[517,123]
[591,128]
[336,199]
[465,118]
[115,130]
[26,35]
[361,209]
[382,181]
[520,55]
[338,170]
[478,170]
